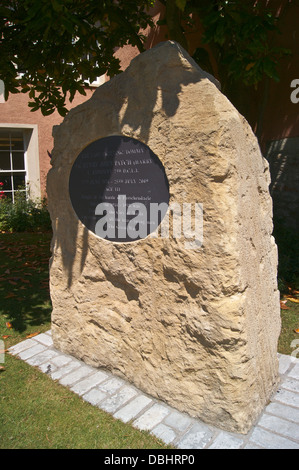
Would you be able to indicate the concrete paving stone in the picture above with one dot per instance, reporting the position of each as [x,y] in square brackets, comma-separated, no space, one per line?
[59,373]
[290,384]
[178,421]
[269,440]
[45,339]
[76,375]
[132,409]
[224,440]
[44,356]
[94,396]
[279,426]
[111,385]
[284,411]
[111,404]
[17,348]
[47,368]
[287,397]
[196,438]
[61,360]
[37,348]
[152,417]
[84,385]
[294,372]
[285,362]
[165,433]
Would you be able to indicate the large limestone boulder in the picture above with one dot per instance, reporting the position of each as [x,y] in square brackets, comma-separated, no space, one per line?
[197,328]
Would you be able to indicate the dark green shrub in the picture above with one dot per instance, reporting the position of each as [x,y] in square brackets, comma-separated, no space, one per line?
[287,241]
[24,215]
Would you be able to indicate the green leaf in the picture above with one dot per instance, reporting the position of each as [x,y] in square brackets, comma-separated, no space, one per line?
[34,106]
[181,4]
[62,111]
[162,22]
[25,89]
[32,93]
[56,5]
[81,90]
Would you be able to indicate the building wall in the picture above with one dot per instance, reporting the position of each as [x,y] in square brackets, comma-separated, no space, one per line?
[15,111]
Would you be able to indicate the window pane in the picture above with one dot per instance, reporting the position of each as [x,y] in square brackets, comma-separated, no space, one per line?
[4,161]
[4,140]
[17,141]
[18,161]
[19,181]
[6,180]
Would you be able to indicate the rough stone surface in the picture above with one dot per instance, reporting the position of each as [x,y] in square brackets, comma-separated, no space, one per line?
[197,329]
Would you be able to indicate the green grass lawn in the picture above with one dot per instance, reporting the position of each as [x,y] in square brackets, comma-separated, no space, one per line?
[35,411]
[289,325]
[38,413]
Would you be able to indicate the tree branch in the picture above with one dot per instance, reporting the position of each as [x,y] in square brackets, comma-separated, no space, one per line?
[173,16]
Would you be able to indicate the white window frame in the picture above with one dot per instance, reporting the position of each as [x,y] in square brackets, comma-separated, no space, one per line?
[31,156]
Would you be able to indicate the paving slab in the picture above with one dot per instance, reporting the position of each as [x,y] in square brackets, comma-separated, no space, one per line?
[30,352]
[198,437]
[117,400]
[133,409]
[276,428]
[73,377]
[94,396]
[178,421]
[165,433]
[83,386]
[294,373]
[266,439]
[225,440]
[152,417]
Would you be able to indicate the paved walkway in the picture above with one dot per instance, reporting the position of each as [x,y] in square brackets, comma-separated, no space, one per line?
[277,427]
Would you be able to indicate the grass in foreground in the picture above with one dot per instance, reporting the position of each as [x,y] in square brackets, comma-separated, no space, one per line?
[35,411]
[288,283]
[289,325]
[38,413]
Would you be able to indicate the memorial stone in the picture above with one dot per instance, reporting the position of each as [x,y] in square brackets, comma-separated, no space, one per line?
[163,267]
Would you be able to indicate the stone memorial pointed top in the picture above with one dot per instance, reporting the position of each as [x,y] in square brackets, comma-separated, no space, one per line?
[186,307]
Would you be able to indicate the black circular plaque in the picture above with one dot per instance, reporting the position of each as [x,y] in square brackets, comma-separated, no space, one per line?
[118,189]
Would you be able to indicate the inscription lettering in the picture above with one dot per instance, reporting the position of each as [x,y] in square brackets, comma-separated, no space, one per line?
[117,167]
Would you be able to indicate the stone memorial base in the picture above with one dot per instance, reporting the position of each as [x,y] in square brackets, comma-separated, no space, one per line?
[192,322]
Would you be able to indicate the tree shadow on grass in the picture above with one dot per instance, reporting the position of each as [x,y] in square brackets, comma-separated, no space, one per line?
[24,280]
[34,313]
